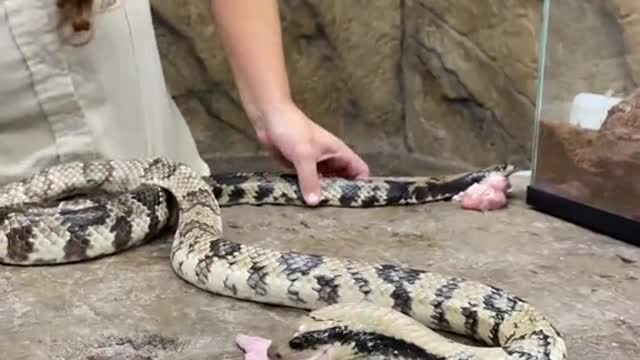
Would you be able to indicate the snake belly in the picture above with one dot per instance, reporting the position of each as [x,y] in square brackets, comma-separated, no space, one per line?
[85,210]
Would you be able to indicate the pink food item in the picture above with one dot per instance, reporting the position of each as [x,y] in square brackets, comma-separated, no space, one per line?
[489,194]
[254,348]
[498,182]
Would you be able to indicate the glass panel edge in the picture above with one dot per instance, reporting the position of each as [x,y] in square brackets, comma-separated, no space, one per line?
[542,58]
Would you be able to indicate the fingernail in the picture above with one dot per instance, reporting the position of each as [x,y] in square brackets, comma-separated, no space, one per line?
[313,199]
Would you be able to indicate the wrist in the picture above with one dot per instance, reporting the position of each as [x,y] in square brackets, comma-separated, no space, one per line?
[279,118]
[266,116]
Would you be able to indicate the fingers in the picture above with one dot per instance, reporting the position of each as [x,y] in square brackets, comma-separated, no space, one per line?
[309,180]
[358,168]
[346,164]
[310,170]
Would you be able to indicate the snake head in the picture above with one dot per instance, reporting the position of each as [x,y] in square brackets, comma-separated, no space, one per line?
[325,352]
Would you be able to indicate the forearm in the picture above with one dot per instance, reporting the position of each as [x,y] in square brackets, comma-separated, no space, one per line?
[252,38]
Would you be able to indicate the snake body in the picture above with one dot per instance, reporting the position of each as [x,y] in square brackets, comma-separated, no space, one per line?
[84,210]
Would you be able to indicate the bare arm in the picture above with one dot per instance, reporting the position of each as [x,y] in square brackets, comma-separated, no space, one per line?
[252,38]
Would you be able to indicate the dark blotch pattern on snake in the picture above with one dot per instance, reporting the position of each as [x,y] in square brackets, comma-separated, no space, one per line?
[110,206]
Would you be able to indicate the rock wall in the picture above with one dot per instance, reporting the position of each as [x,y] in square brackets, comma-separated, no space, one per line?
[453,81]
[627,17]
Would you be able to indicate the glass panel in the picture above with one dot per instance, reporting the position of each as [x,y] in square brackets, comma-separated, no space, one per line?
[587,133]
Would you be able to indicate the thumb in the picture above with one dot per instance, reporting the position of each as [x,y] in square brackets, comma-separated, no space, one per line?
[309,180]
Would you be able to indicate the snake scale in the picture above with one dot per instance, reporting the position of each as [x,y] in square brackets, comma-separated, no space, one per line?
[84,210]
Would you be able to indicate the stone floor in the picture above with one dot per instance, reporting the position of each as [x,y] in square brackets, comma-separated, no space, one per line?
[132,306]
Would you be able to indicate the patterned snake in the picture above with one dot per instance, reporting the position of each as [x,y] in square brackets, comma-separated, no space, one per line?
[84,210]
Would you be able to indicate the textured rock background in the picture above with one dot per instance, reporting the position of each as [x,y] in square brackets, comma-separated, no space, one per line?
[435,79]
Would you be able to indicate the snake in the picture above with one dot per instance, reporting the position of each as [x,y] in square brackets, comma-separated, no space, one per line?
[82,210]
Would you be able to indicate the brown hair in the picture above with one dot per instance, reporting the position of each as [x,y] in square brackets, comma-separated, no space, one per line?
[76,21]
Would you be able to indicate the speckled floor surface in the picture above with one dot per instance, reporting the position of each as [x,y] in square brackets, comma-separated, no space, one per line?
[132,306]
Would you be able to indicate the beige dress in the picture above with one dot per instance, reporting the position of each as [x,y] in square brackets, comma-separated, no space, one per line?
[107,99]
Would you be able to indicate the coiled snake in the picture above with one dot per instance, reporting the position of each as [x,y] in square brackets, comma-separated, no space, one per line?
[364,309]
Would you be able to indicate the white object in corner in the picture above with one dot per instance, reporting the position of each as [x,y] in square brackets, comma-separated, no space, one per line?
[589,110]
[523,173]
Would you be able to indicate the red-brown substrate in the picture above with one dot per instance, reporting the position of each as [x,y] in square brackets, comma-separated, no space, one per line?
[601,167]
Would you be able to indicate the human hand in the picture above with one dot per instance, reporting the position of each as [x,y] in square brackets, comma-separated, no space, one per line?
[252,39]
[299,143]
